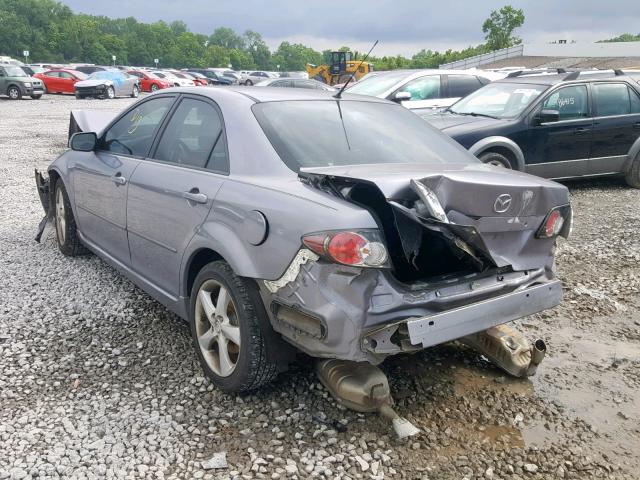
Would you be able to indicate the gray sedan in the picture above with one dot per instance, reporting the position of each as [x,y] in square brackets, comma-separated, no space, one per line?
[295,83]
[275,219]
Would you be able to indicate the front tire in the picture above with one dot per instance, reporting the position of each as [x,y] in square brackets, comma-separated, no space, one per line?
[111,93]
[632,176]
[225,329]
[66,231]
[248,83]
[36,97]
[154,88]
[495,158]
[14,93]
[135,92]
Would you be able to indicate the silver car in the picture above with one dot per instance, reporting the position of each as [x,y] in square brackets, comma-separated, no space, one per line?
[252,78]
[108,84]
[434,89]
[277,219]
[295,83]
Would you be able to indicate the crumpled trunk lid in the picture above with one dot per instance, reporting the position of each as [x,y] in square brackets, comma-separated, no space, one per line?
[492,214]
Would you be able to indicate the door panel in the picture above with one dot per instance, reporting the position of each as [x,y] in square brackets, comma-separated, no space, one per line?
[161,221]
[617,122]
[100,186]
[101,179]
[567,139]
[171,195]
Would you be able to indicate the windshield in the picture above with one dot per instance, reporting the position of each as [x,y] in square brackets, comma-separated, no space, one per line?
[377,84]
[499,100]
[330,132]
[15,72]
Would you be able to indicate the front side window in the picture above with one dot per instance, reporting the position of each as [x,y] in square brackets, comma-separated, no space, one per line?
[192,135]
[499,100]
[571,102]
[424,88]
[614,99]
[319,133]
[462,85]
[133,134]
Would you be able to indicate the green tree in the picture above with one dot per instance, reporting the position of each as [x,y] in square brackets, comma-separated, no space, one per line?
[227,38]
[500,25]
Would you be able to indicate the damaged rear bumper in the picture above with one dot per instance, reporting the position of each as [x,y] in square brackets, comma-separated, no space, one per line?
[453,324]
[334,311]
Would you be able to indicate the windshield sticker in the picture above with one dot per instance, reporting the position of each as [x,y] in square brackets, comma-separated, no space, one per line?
[563,102]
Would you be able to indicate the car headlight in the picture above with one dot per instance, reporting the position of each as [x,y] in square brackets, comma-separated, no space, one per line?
[27,84]
[100,87]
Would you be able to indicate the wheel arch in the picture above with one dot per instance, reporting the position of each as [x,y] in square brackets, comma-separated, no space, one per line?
[501,145]
[14,84]
[196,261]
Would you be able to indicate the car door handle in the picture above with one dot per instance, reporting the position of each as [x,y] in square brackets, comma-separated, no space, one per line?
[581,130]
[195,196]
[118,179]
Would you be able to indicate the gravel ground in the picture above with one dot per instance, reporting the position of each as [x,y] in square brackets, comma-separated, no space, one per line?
[100,381]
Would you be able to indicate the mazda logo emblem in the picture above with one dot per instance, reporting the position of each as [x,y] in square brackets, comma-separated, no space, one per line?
[502,203]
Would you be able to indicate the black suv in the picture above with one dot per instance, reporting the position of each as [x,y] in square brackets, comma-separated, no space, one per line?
[555,125]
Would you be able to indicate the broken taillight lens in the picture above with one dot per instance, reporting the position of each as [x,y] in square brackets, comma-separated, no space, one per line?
[363,248]
[557,222]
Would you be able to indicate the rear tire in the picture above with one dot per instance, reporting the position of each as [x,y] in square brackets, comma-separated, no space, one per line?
[227,336]
[495,158]
[14,93]
[66,231]
[632,176]
[248,83]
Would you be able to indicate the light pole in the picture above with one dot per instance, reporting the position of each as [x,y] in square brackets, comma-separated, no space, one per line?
[26,55]
[156,61]
[113,57]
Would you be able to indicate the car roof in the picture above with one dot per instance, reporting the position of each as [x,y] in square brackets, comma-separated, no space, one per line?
[261,94]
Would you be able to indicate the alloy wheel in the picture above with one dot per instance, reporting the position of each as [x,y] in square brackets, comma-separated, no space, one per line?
[14,93]
[217,328]
[61,221]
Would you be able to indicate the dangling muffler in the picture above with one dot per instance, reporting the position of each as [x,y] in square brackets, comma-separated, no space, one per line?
[508,349]
[363,387]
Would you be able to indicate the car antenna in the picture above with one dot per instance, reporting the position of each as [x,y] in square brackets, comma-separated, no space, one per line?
[339,94]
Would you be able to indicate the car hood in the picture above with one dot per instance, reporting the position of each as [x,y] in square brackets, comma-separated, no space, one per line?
[446,121]
[25,79]
[93,83]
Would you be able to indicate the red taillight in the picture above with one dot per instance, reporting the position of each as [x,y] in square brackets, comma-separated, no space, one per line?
[362,248]
[557,222]
[348,248]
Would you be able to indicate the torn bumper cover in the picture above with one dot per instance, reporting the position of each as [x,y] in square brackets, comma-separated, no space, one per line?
[44,193]
[349,313]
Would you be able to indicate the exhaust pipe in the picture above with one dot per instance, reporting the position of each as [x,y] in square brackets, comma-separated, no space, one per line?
[364,388]
[508,349]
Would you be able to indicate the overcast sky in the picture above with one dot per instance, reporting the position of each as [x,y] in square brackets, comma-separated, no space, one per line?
[402,26]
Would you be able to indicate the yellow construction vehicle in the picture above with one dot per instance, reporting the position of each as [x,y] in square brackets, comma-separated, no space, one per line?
[341,68]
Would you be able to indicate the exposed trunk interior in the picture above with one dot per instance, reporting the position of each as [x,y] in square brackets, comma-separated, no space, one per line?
[420,248]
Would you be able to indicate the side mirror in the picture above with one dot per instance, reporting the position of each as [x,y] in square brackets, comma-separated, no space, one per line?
[83,141]
[547,116]
[402,97]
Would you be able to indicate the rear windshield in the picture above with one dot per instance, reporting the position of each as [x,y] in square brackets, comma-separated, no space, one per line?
[320,133]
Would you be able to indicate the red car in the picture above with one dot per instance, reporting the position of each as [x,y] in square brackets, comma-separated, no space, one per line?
[199,82]
[148,81]
[60,80]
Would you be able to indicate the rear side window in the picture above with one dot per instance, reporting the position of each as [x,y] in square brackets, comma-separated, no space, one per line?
[133,134]
[194,137]
[571,102]
[462,85]
[423,88]
[615,99]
